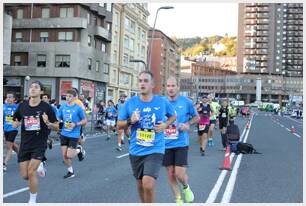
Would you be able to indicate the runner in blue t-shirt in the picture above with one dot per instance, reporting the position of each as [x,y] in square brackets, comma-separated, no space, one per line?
[10,132]
[146,113]
[177,141]
[121,132]
[73,117]
[110,117]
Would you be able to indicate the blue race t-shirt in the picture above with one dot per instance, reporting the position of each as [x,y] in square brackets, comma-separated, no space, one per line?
[184,111]
[71,114]
[8,112]
[144,140]
[111,113]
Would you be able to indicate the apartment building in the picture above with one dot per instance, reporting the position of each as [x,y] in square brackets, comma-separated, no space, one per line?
[129,42]
[270,38]
[165,60]
[63,45]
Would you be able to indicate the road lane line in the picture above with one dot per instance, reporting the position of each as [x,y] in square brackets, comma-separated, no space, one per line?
[122,155]
[15,192]
[227,195]
[281,125]
[287,129]
[297,135]
[214,192]
[294,120]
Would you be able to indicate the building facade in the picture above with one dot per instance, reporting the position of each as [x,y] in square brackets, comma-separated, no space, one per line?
[229,84]
[270,38]
[165,60]
[130,31]
[63,46]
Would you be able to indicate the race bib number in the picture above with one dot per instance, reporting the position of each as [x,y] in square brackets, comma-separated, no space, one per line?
[32,123]
[171,133]
[145,138]
[202,127]
[9,119]
[223,115]
[67,126]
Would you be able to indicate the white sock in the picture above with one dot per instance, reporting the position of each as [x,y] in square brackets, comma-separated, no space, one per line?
[70,169]
[32,198]
[122,137]
[78,151]
[119,144]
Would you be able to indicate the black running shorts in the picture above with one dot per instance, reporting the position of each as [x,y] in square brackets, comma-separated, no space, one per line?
[10,136]
[222,123]
[212,121]
[176,156]
[69,142]
[26,155]
[147,165]
[200,133]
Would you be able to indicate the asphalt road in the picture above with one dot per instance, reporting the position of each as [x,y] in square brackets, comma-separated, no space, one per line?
[105,176]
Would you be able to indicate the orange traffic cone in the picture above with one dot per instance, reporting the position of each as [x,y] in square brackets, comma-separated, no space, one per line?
[227,160]
[293,129]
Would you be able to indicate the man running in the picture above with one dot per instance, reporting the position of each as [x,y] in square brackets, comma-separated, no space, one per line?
[73,117]
[177,142]
[46,98]
[204,111]
[110,118]
[36,118]
[214,106]
[121,132]
[223,121]
[10,132]
[146,113]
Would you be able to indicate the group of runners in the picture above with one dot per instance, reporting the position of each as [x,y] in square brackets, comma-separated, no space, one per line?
[157,127]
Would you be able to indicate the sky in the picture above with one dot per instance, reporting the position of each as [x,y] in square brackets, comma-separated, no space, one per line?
[195,19]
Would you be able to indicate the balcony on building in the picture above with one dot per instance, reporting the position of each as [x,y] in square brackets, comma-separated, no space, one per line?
[70,22]
[103,33]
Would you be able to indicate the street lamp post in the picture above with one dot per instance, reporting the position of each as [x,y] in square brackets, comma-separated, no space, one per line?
[139,61]
[27,79]
[153,31]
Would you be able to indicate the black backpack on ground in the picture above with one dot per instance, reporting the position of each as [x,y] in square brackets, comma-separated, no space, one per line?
[246,148]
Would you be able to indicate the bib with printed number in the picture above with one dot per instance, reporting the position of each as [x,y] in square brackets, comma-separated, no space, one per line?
[9,119]
[202,127]
[67,126]
[145,137]
[223,115]
[171,133]
[31,123]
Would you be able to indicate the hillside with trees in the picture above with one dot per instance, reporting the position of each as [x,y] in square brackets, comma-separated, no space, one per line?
[196,46]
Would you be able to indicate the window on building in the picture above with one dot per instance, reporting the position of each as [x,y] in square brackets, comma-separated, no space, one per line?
[114,76]
[125,59]
[45,13]
[19,13]
[116,19]
[89,63]
[62,60]
[18,36]
[41,60]
[142,51]
[126,23]
[44,36]
[114,60]
[65,36]
[106,68]
[108,26]
[17,60]
[138,33]
[97,66]
[66,12]
[132,26]
[89,40]
[131,44]
[126,42]
[108,7]
[143,35]
[88,18]
[103,47]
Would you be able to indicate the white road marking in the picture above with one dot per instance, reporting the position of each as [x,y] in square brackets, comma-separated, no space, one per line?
[122,155]
[287,129]
[15,192]
[214,192]
[281,125]
[232,180]
[297,135]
